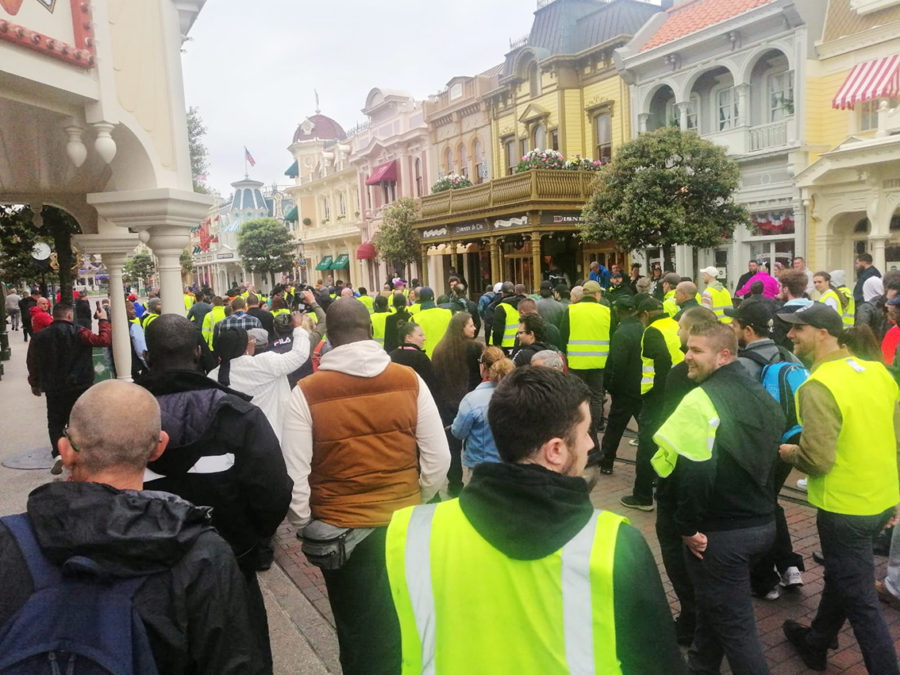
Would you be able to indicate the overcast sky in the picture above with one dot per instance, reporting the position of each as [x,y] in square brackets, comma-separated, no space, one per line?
[251,67]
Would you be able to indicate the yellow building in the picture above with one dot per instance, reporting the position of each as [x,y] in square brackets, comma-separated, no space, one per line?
[852,186]
[557,90]
[327,215]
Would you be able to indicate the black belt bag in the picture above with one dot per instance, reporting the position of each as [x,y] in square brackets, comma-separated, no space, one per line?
[329,547]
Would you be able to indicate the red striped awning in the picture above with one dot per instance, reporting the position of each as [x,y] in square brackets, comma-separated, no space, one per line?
[869,81]
[383,173]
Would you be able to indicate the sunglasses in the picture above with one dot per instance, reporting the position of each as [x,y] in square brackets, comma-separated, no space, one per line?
[69,438]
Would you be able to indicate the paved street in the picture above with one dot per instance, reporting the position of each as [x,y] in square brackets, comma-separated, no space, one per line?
[300,622]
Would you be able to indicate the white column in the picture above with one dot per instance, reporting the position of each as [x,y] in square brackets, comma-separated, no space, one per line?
[121,338]
[167,246]
[878,244]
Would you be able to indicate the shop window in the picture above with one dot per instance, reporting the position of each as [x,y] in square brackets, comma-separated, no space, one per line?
[603,137]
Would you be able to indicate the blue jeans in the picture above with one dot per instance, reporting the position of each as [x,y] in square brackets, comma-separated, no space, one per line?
[849,591]
[726,625]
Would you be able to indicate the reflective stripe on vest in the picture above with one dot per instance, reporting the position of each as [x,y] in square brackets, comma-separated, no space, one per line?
[863,480]
[669,329]
[721,300]
[571,592]
[511,327]
[588,345]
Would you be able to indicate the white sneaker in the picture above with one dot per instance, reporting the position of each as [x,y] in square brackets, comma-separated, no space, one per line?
[57,467]
[791,578]
[802,484]
[774,594]
[633,442]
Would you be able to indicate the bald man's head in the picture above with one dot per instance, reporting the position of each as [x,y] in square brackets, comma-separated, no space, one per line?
[101,439]
[348,321]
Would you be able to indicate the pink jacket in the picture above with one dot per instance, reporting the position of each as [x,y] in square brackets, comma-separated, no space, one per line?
[771,287]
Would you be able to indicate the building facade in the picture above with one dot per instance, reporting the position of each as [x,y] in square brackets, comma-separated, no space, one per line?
[852,188]
[736,73]
[557,89]
[390,154]
[325,190]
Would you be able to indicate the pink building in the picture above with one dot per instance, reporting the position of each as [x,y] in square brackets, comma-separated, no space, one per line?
[391,157]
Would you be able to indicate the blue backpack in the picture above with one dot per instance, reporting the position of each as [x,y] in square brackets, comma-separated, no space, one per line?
[781,379]
[78,620]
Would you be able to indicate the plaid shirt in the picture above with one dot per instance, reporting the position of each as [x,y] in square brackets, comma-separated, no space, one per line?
[237,320]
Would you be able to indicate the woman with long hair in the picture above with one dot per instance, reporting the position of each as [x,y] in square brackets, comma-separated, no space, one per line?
[455,360]
[471,423]
[411,353]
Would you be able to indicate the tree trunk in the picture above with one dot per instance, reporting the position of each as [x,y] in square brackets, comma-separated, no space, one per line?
[695,262]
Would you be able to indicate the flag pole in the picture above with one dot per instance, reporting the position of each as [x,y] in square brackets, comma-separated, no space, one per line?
[246,168]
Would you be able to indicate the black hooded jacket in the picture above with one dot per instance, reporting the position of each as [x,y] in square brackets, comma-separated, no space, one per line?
[192,602]
[528,512]
[244,478]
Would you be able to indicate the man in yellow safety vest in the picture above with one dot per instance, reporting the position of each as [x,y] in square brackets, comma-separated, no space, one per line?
[571,588]
[584,333]
[848,448]
[716,297]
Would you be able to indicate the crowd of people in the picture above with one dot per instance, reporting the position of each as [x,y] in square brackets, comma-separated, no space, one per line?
[436,455]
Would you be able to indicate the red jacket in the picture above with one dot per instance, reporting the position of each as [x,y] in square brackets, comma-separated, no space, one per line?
[889,345]
[39,319]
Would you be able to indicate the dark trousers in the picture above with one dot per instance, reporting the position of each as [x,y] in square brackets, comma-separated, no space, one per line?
[367,626]
[256,610]
[649,422]
[726,624]
[593,378]
[671,547]
[454,473]
[621,410]
[849,592]
[763,576]
[59,407]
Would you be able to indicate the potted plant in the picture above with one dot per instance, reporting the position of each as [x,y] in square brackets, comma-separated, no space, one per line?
[451,181]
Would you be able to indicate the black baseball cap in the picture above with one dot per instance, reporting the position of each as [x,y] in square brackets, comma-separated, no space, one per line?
[644,302]
[816,315]
[755,314]
[626,302]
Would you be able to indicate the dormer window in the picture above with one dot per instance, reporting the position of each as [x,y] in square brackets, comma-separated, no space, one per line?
[456,91]
[534,79]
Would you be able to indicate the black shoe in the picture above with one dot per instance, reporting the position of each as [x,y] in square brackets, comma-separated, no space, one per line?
[633,502]
[818,557]
[606,470]
[815,659]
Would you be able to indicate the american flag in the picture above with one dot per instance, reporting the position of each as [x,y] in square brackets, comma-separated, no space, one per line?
[249,157]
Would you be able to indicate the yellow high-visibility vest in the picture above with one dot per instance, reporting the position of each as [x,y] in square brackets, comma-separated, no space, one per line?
[669,329]
[588,346]
[863,480]
[555,614]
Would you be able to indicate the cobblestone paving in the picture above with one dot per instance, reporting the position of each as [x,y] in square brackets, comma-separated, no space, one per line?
[799,605]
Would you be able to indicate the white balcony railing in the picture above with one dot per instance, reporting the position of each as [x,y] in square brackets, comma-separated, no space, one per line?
[765,136]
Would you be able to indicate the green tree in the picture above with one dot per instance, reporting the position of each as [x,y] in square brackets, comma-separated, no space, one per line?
[265,245]
[397,242]
[199,154]
[664,188]
[19,234]
[187,263]
[140,267]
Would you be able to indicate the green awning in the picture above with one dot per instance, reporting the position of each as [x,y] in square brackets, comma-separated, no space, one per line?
[293,171]
[342,261]
[291,216]
[324,263]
